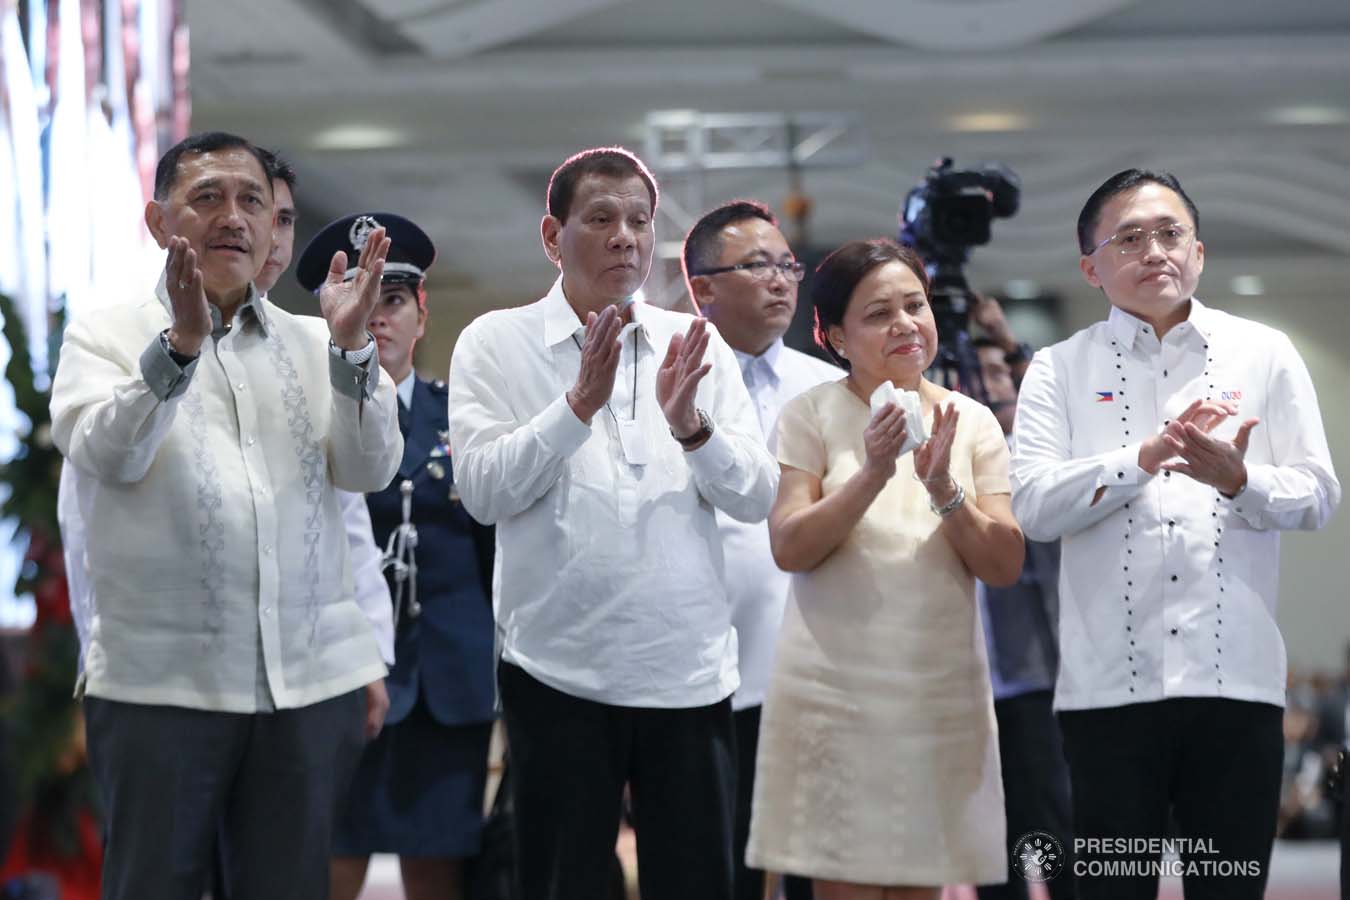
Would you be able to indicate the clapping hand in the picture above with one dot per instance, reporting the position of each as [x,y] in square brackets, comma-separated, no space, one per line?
[1207,459]
[1204,415]
[347,303]
[932,460]
[599,364]
[677,379]
[882,440]
[187,296]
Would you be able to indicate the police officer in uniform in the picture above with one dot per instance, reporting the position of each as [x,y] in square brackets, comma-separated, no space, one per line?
[419,789]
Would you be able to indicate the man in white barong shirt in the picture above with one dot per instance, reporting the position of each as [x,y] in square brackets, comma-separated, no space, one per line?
[599,434]
[224,671]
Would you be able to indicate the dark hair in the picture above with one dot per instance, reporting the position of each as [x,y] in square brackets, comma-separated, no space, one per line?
[278,167]
[839,274]
[607,162]
[166,172]
[703,244]
[1118,184]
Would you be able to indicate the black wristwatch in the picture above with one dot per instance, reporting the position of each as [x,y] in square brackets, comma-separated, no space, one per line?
[705,430]
[182,360]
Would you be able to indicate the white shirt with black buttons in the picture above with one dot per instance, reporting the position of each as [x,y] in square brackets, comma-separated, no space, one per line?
[1167,588]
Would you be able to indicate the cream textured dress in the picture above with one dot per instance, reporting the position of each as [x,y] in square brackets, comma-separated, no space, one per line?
[878,750]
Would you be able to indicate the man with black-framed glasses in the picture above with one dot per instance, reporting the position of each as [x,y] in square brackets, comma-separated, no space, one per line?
[1168,446]
[743,278]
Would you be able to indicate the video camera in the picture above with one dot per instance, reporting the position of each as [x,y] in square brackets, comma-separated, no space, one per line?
[946,215]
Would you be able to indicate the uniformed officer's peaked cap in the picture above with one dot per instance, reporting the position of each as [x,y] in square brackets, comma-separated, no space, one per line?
[411,252]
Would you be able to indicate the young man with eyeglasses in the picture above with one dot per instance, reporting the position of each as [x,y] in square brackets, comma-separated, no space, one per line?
[1167,447]
[743,278]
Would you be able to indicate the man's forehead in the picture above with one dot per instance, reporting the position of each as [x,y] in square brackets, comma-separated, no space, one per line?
[754,235]
[1148,204]
[282,191]
[215,165]
[613,188]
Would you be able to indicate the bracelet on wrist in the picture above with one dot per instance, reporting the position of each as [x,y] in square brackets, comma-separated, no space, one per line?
[951,505]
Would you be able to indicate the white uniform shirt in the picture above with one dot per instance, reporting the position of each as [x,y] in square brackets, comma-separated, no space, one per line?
[609,577]
[209,498]
[756,587]
[1167,589]
[370,589]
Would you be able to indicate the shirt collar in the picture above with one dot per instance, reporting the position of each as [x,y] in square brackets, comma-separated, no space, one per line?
[254,306]
[766,363]
[1126,327]
[405,389]
[561,321]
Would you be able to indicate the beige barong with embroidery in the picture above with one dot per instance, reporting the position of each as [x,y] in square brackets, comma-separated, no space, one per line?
[216,548]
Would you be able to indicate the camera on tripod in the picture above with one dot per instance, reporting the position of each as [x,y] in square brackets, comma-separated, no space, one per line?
[943,218]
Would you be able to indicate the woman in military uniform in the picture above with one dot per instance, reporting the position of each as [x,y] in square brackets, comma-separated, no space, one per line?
[418,791]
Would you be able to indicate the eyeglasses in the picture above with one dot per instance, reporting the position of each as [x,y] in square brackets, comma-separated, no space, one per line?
[763,270]
[1132,241]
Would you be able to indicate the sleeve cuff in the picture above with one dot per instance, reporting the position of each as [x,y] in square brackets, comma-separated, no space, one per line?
[352,377]
[165,377]
[1254,496]
[1121,469]
[559,428]
[714,457]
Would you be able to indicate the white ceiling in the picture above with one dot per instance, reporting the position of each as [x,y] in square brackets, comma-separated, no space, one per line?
[465,107]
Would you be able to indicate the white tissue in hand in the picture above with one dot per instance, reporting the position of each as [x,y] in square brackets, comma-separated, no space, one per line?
[915,430]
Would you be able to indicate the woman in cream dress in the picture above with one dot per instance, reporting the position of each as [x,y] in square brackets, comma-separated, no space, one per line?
[878,772]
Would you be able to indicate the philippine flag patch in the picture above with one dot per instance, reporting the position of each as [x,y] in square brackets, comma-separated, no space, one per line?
[1105,396]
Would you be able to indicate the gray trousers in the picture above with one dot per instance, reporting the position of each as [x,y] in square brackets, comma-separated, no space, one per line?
[267,786]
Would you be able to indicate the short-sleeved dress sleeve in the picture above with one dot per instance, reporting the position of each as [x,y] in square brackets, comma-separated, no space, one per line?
[801,444]
[989,462]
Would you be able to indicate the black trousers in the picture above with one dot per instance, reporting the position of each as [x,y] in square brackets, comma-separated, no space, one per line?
[174,781]
[1212,764]
[570,760]
[1035,788]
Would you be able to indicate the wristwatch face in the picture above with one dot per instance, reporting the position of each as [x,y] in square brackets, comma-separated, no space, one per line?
[705,429]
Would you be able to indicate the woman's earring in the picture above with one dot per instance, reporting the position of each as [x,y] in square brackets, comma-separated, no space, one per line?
[840,351]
